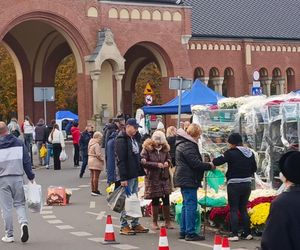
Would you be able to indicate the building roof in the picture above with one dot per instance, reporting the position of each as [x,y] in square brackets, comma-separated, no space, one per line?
[262,19]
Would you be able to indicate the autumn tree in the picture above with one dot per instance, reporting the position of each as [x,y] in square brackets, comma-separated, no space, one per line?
[8,87]
[149,74]
[66,85]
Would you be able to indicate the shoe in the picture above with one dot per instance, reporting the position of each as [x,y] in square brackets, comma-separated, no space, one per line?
[127,231]
[24,233]
[140,229]
[181,236]
[194,237]
[47,166]
[233,238]
[7,239]
[246,236]
[95,193]
[81,175]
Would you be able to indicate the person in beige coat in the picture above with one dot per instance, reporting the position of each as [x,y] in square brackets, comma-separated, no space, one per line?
[95,161]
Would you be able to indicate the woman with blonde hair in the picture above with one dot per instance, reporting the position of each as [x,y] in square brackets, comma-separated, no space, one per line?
[156,162]
[188,176]
[95,161]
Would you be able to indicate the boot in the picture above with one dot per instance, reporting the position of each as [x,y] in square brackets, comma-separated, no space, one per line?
[155,212]
[166,212]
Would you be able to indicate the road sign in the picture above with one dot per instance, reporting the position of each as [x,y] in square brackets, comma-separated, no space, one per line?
[256,91]
[256,84]
[174,83]
[42,93]
[148,99]
[148,90]
[256,75]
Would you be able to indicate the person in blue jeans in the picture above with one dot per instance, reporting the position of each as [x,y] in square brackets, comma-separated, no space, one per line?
[49,144]
[128,163]
[188,176]
[84,140]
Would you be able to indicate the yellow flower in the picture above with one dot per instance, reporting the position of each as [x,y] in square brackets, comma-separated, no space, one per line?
[259,214]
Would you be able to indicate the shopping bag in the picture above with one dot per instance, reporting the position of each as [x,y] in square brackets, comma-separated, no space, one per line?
[56,196]
[215,179]
[43,152]
[133,206]
[178,209]
[116,200]
[63,156]
[34,149]
[33,196]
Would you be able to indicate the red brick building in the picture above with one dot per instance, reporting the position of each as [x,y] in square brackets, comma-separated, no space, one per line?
[221,42]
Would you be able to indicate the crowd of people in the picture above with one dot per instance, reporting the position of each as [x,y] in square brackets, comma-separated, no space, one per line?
[167,159]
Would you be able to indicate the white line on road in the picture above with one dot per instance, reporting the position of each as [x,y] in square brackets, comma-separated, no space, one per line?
[47,207]
[84,186]
[124,247]
[54,221]
[198,243]
[96,239]
[49,216]
[65,227]
[46,212]
[74,189]
[81,234]
[92,204]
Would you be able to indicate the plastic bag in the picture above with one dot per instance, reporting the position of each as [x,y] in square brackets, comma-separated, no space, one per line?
[116,200]
[63,156]
[178,209]
[215,179]
[133,206]
[33,196]
[34,149]
[211,202]
[43,152]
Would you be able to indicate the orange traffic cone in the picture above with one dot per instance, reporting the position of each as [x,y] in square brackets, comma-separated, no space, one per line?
[218,242]
[109,236]
[225,244]
[163,240]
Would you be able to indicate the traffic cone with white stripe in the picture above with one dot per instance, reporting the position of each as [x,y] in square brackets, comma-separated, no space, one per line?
[109,236]
[225,244]
[163,240]
[218,242]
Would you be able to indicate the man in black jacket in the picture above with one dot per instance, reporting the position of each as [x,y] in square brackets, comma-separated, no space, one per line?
[84,140]
[128,163]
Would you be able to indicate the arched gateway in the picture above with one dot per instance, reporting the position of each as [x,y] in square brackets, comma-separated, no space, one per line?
[110,46]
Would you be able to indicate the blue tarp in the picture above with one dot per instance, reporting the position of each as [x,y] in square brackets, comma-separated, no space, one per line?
[199,94]
[65,114]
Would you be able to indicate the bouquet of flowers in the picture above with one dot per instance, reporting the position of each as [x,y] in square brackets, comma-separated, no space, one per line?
[258,216]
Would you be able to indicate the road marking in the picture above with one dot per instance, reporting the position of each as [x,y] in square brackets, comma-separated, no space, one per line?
[101,215]
[84,186]
[198,243]
[46,212]
[117,226]
[92,204]
[47,207]
[96,239]
[54,221]
[65,227]
[49,216]
[125,247]
[73,189]
[81,234]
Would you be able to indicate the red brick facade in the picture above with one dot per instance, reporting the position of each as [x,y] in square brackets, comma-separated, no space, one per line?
[162,30]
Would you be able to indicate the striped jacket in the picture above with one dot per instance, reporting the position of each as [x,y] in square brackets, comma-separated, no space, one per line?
[14,158]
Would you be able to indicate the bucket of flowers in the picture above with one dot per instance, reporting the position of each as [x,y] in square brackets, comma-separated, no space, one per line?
[258,217]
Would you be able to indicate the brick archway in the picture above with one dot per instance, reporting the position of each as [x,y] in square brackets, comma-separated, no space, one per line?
[77,45]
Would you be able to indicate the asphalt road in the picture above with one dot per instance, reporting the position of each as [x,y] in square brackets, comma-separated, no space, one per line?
[81,224]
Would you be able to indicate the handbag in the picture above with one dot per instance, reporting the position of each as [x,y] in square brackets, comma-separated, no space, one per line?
[33,196]
[34,149]
[133,206]
[43,152]
[63,156]
[116,200]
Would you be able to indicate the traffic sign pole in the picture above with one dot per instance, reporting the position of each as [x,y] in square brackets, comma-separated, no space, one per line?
[179,103]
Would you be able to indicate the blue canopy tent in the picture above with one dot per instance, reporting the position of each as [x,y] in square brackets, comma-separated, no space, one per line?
[63,117]
[199,94]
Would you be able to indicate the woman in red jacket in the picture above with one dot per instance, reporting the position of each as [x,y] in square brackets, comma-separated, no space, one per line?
[76,136]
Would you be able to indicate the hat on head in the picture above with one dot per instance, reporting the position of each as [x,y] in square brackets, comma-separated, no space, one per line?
[133,122]
[289,166]
[235,139]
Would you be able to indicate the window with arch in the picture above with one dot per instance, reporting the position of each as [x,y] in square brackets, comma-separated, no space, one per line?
[92,12]
[135,14]
[146,15]
[167,16]
[276,74]
[290,78]
[228,83]
[177,16]
[113,13]
[124,14]
[213,72]
[156,15]
[198,73]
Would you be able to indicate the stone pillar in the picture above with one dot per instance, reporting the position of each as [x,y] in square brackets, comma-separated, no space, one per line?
[204,80]
[218,83]
[95,75]
[266,83]
[280,84]
[119,77]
